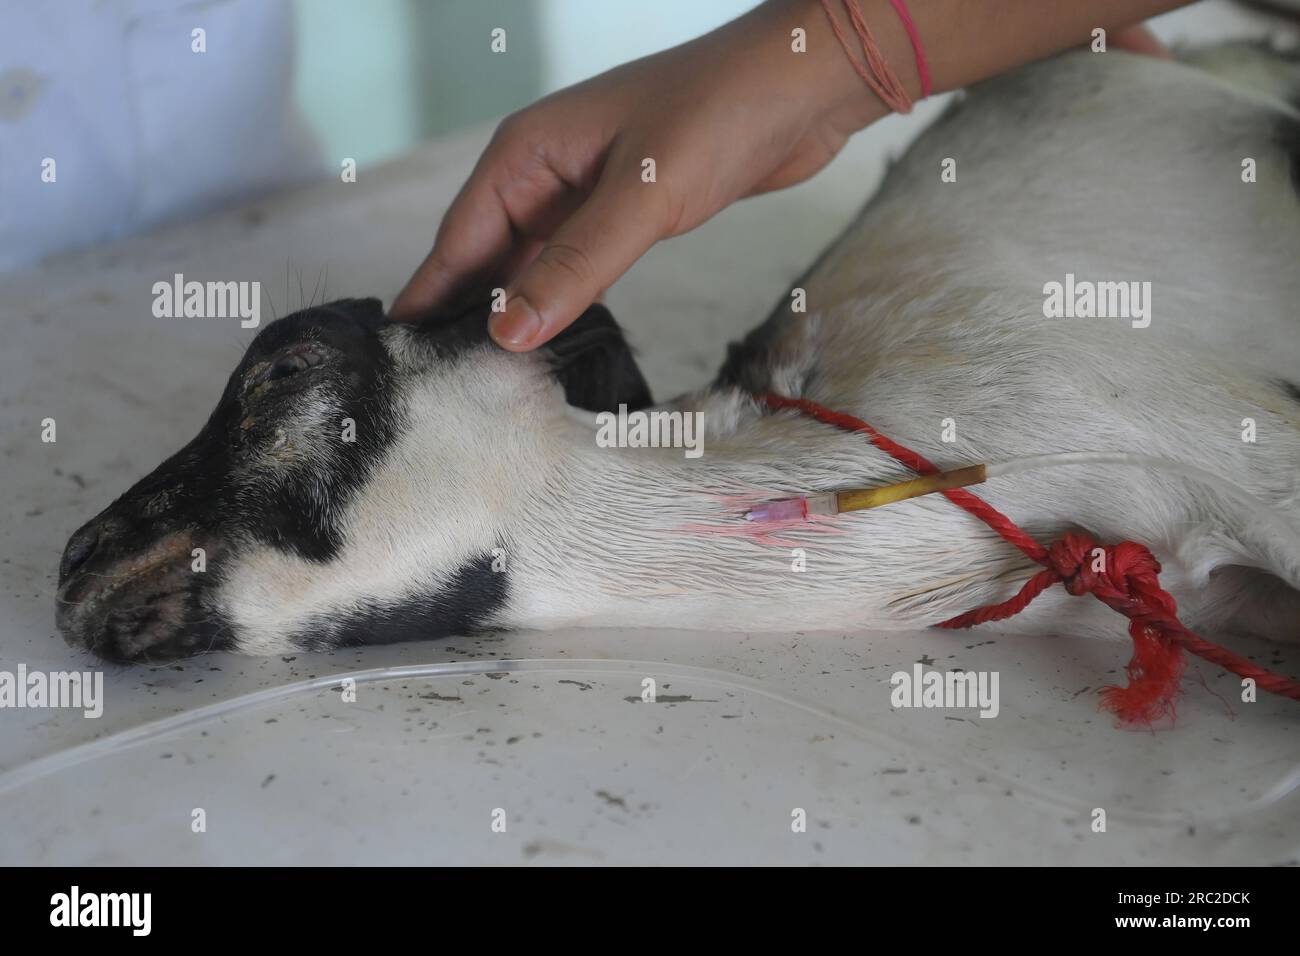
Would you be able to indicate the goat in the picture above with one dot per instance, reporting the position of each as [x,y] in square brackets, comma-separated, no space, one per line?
[364,482]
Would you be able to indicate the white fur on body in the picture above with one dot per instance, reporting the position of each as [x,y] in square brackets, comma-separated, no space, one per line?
[931,307]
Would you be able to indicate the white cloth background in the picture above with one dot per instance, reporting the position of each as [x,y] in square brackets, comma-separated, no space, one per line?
[142,129]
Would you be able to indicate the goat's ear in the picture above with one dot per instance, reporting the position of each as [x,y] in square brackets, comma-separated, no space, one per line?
[594,363]
[370,312]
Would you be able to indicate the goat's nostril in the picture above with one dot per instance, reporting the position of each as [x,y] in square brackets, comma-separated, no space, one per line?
[80,547]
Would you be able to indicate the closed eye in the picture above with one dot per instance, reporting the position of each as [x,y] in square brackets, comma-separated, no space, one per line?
[299,359]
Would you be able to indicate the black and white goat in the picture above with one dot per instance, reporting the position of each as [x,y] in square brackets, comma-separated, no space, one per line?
[473,493]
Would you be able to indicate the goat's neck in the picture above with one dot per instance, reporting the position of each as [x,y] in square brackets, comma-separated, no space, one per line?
[649,536]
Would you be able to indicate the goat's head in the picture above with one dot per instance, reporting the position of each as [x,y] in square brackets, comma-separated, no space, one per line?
[350,488]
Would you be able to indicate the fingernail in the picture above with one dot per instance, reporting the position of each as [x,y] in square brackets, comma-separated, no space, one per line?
[518,327]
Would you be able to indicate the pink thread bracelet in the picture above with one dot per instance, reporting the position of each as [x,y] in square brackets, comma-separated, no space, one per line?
[877,73]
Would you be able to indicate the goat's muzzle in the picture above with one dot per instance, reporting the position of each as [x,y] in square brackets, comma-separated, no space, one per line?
[129,599]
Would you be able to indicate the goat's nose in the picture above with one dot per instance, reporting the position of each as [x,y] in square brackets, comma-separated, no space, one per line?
[80,547]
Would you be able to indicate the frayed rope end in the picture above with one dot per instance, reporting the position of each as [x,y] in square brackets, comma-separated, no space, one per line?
[1155,674]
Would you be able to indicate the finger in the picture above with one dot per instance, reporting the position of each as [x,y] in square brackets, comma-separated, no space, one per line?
[1139,39]
[475,232]
[621,219]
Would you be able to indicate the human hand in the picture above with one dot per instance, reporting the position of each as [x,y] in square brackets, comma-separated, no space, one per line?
[559,202]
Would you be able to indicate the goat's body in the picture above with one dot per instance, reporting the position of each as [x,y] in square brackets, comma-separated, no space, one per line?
[931,308]
[471,493]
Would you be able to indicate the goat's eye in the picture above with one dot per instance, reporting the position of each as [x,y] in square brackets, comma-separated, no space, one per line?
[285,367]
[290,364]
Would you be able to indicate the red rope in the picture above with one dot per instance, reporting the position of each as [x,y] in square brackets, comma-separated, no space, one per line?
[1123,576]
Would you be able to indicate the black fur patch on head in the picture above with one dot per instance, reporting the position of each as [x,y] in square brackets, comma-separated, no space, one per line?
[288,510]
[273,465]
[457,327]
[227,479]
[464,605]
[591,358]
[594,363]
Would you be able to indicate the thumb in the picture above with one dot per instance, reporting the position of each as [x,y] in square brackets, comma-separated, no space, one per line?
[1140,39]
[621,219]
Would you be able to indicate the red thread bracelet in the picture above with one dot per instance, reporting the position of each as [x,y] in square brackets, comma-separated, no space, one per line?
[877,73]
[922,65]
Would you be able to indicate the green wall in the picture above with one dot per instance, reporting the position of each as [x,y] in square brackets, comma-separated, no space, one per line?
[376,77]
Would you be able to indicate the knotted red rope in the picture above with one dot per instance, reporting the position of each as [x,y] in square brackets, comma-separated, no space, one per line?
[1123,576]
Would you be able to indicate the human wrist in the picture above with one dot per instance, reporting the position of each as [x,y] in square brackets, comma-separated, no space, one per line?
[842,97]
